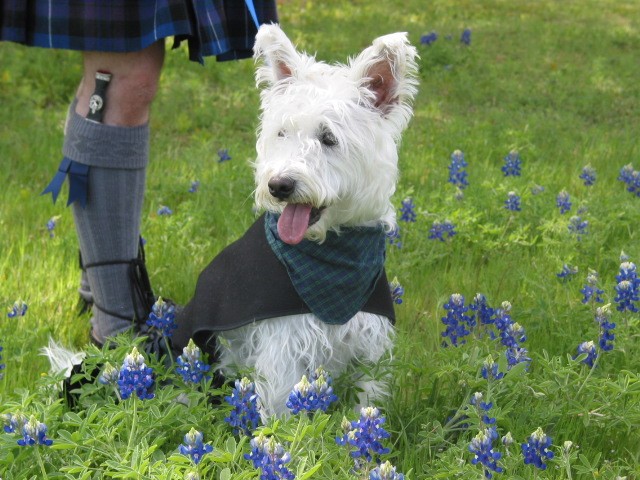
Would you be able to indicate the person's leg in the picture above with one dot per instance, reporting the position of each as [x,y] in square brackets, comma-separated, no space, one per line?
[116,150]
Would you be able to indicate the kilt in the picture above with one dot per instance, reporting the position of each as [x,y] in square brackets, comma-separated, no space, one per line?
[223,28]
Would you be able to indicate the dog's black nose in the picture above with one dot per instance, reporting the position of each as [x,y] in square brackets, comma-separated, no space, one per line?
[281,187]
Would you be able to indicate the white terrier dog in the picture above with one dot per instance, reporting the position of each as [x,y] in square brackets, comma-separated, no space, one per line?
[326,169]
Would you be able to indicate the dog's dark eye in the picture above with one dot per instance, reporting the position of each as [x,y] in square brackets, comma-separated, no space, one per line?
[328,139]
[281,133]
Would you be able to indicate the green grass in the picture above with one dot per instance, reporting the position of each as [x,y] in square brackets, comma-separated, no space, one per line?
[558,81]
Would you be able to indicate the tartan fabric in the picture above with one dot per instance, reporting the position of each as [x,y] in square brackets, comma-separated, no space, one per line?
[336,278]
[211,27]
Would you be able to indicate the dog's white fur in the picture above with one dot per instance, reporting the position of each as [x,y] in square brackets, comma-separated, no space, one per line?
[366,105]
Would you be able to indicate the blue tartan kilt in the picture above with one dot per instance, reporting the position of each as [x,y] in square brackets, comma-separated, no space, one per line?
[223,28]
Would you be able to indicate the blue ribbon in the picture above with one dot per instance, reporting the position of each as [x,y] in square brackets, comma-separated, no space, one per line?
[78,182]
[252,11]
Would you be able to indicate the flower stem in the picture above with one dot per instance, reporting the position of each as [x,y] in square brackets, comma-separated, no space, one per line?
[41,463]
[134,423]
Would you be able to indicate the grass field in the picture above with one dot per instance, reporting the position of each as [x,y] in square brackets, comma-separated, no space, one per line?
[556,81]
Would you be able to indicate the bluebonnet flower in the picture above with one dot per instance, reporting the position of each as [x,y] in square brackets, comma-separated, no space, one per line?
[536,450]
[13,423]
[194,447]
[51,226]
[311,396]
[484,313]
[397,291]
[164,211]
[578,226]
[626,173]
[465,38]
[483,408]
[628,271]
[457,173]
[109,375]
[244,400]
[603,318]
[567,272]
[512,164]
[627,295]
[591,291]
[385,471]
[189,365]
[482,448]
[517,355]
[440,230]
[270,457]
[135,376]
[223,155]
[588,175]
[393,237]
[18,309]
[590,349]
[489,370]
[34,433]
[513,335]
[513,202]
[408,212]
[503,316]
[563,201]
[163,317]
[365,435]
[507,440]
[192,476]
[537,189]
[429,38]
[458,323]
[194,186]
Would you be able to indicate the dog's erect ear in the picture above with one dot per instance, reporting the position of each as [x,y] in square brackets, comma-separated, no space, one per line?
[277,52]
[387,71]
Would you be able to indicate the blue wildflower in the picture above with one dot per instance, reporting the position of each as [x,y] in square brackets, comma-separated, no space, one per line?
[364,435]
[429,38]
[109,375]
[465,38]
[517,355]
[513,202]
[164,211]
[408,213]
[244,416]
[603,318]
[189,365]
[588,175]
[536,450]
[483,450]
[629,176]
[507,440]
[457,173]
[537,189]
[270,457]
[13,423]
[393,237]
[458,324]
[397,291]
[194,186]
[591,291]
[223,155]
[567,272]
[18,309]
[590,349]
[489,370]
[628,271]
[385,471]
[163,317]
[577,226]
[512,164]
[439,231]
[484,313]
[194,447]
[483,408]
[311,396]
[627,296]
[135,376]
[51,226]
[34,433]
[563,201]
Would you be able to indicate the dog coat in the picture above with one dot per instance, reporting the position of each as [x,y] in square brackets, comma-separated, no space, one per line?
[246,283]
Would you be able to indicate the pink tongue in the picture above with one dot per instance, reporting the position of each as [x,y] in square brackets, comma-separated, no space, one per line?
[293,223]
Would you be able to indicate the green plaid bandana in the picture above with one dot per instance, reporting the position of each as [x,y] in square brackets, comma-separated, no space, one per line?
[336,278]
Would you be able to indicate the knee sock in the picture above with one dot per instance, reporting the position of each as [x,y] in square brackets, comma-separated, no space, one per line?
[108,227]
